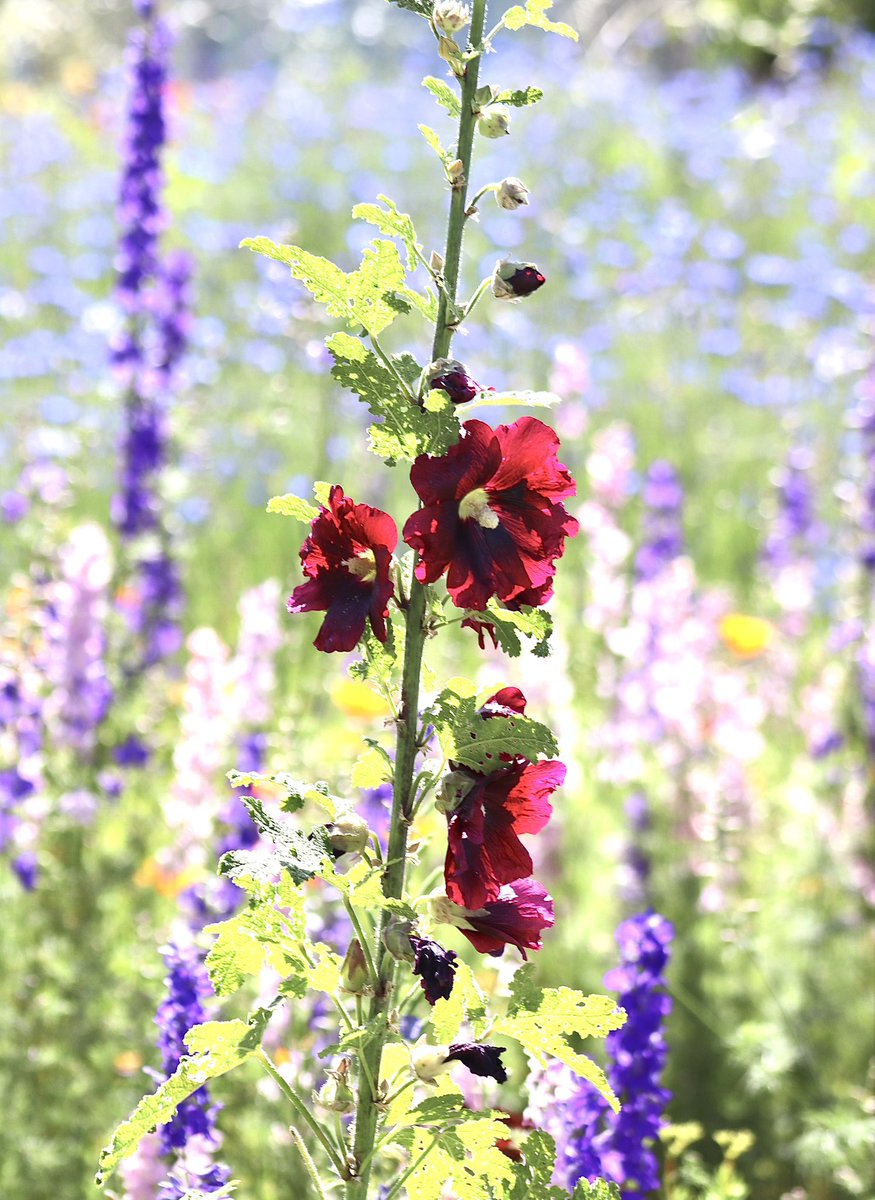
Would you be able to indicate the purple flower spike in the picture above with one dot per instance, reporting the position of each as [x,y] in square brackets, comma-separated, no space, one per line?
[436,968]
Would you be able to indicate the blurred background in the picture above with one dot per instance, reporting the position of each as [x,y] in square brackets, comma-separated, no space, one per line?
[703,206]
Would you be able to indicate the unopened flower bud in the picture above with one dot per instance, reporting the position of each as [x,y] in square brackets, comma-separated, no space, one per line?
[354,975]
[450,376]
[512,193]
[494,122]
[456,172]
[451,53]
[454,788]
[450,16]
[430,1061]
[513,280]
[396,939]
[348,833]
[335,1094]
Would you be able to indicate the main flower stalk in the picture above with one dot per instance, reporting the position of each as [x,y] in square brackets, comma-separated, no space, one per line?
[408,717]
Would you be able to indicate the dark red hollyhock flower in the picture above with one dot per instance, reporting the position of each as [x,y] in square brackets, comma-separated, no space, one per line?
[480,1060]
[449,375]
[484,851]
[435,966]
[347,557]
[507,702]
[516,918]
[516,280]
[491,516]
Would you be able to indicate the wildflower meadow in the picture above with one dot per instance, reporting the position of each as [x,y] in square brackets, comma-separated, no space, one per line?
[437,639]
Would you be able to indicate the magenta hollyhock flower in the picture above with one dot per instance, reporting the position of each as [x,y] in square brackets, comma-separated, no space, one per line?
[491,516]
[522,909]
[484,851]
[347,557]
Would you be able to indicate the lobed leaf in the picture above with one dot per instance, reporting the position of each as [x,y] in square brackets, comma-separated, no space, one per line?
[465,1156]
[465,1003]
[302,855]
[444,95]
[436,144]
[479,742]
[519,97]
[293,506]
[393,223]
[422,7]
[297,793]
[370,769]
[533,623]
[251,940]
[534,14]
[218,1047]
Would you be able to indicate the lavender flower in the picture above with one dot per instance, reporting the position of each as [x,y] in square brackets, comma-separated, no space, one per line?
[592,1141]
[663,538]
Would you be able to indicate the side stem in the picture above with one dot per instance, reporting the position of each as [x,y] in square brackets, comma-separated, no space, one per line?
[408,716]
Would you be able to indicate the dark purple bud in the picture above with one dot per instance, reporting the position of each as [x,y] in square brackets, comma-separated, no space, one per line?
[436,968]
[514,280]
[480,1060]
[448,375]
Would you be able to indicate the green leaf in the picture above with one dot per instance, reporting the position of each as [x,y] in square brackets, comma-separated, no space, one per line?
[378,666]
[218,1047]
[465,1003]
[302,855]
[543,1019]
[297,793]
[533,623]
[532,1176]
[436,144]
[514,399]
[422,7]
[534,14]
[393,223]
[444,95]
[293,506]
[248,942]
[370,769]
[479,742]
[519,98]
[363,887]
[362,298]
[464,1157]
[322,491]
[600,1189]
[407,429]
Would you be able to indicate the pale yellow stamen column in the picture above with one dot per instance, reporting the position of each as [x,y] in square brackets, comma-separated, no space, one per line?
[475,506]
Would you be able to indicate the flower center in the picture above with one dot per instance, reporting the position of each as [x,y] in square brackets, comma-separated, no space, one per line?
[476,506]
[363,566]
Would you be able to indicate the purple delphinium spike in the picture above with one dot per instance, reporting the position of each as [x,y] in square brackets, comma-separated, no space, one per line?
[591,1140]
[794,523]
[663,540]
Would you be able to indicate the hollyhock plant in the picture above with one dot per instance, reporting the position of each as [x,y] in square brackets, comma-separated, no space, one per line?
[517,917]
[492,517]
[435,966]
[347,559]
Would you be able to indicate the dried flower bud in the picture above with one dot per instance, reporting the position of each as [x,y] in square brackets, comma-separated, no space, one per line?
[512,193]
[450,16]
[335,1094]
[513,280]
[450,376]
[494,122]
[396,939]
[348,833]
[354,975]
[456,172]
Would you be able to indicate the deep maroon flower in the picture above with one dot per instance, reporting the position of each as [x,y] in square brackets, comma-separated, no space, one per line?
[347,556]
[448,375]
[435,966]
[508,702]
[491,516]
[514,280]
[484,851]
[479,1059]
[516,918]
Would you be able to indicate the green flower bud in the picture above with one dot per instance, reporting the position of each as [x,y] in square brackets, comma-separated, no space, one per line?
[355,977]
[449,16]
[335,1094]
[511,193]
[348,833]
[430,1061]
[494,122]
[454,788]
[396,938]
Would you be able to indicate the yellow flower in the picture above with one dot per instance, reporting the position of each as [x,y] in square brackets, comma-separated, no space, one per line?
[356,699]
[745,636]
[166,882]
[127,1062]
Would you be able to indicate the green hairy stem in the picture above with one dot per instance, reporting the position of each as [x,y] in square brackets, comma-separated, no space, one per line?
[408,718]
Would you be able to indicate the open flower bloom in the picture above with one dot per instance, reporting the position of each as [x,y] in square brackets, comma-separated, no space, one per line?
[346,558]
[491,516]
[484,851]
[523,909]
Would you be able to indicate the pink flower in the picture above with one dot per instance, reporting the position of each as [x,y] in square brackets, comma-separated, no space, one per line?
[516,917]
[347,558]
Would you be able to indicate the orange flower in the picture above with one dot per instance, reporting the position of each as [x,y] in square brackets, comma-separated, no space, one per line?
[127,1062]
[746,636]
[166,882]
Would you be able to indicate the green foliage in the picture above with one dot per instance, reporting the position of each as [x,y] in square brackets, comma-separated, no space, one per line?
[421,7]
[436,144]
[391,392]
[543,1020]
[534,13]
[297,793]
[245,944]
[518,398]
[392,223]
[475,741]
[217,1048]
[533,623]
[518,97]
[466,1003]
[444,95]
[293,506]
[365,297]
[379,664]
[302,855]
[465,1154]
